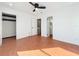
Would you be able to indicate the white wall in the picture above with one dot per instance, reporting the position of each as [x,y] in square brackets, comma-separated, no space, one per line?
[23,21]
[23,25]
[65,21]
[34,27]
[44,27]
[0,28]
[8,28]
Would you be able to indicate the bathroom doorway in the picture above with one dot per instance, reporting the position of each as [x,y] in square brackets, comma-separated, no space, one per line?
[50,26]
[38,26]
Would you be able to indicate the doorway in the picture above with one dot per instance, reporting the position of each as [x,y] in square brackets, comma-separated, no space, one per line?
[50,26]
[8,27]
[38,26]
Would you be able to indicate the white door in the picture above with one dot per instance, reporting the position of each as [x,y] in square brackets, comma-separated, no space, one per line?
[34,27]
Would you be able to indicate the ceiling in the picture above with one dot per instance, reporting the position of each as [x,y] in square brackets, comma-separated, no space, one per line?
[26,7]
[22,6]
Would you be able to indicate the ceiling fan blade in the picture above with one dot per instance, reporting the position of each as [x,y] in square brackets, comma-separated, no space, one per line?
[32,4]
[41,7]
[34,10]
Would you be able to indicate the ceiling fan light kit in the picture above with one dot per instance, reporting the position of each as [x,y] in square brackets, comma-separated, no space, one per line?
[36,6]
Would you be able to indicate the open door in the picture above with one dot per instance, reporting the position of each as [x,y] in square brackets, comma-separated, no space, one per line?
[50,27]
[39,26]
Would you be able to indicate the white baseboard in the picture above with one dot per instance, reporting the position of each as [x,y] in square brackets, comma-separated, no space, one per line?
[68,42]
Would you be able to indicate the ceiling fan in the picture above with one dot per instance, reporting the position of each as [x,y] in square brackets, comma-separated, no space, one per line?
[36,6]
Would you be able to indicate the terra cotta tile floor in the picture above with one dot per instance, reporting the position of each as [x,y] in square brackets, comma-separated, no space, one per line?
[37,46]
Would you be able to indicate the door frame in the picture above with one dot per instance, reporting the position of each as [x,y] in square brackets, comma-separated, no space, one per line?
[49,18]
[40,26]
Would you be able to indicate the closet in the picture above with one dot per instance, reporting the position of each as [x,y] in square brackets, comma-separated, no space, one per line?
[8,25]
